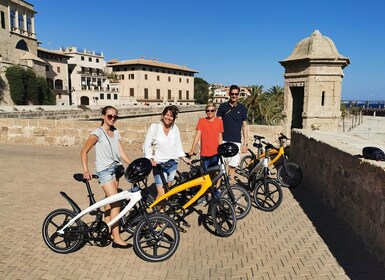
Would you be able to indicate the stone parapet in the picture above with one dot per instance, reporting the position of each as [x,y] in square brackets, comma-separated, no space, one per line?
[133,129]
[354,187]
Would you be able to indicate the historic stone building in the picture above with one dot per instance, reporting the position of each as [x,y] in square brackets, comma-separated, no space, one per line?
[56,74]
[153,82]
[313,81]
[18,44]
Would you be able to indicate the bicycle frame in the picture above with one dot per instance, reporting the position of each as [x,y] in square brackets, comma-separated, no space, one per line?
[133,195]
[204,182]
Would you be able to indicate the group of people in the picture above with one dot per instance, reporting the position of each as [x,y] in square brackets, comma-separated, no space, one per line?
[163,145]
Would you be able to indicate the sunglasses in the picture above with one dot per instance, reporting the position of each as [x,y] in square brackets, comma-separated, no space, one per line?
[210,111]
[232,94]
[110,117]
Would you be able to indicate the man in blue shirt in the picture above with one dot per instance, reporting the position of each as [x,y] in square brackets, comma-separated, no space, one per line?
[234,117]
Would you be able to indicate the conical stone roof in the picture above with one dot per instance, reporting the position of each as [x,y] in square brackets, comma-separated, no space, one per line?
[316,46]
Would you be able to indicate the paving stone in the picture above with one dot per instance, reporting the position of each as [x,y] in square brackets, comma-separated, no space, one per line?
[288,243]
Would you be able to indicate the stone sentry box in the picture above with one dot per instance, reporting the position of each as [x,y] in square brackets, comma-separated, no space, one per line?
[313,82]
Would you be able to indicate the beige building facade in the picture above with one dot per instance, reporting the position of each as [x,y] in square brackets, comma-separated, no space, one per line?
[150,81]
[88,80]
[56,74]
[313,84]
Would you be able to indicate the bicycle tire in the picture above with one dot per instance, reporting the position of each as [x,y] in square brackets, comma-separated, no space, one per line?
[242,203]
[67,243]
[244,165]
[223,215]
[291,176]
[159,246]
[268,195]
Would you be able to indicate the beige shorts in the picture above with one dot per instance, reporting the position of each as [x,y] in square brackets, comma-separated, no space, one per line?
[234,161]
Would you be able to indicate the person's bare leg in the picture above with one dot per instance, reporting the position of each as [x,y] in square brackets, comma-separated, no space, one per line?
[231,173]
[111,189]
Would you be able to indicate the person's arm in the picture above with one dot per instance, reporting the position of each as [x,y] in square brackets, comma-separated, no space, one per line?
[245,133]
[195,142]
[220,138]
[92,139]
[147,149]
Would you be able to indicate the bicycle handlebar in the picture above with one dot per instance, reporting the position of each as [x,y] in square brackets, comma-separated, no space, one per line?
[80,177]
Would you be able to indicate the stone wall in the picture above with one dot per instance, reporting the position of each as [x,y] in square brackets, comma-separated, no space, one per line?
[352,186]
[132,126]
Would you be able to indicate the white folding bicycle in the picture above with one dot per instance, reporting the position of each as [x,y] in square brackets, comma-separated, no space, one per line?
[156,236]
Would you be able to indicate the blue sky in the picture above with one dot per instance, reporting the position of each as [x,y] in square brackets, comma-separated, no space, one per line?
[228,42]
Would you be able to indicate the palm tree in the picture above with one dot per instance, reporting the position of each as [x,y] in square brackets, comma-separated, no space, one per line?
[251,102]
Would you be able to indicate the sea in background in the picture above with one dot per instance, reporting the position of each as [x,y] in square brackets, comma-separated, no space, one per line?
[375,104]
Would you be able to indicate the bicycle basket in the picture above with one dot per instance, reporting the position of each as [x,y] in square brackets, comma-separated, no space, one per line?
[138,170]
[228,149]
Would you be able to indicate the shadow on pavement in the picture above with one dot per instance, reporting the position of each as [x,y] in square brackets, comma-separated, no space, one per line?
[348,249]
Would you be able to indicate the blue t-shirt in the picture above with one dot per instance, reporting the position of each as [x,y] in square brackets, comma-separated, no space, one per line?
[233,118]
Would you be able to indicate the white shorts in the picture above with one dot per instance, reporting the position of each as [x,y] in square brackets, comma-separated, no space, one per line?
[234,161]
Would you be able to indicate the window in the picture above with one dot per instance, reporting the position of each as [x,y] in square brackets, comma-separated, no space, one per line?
[169,94]
[108,96]
[21,22]
[169,79]
[22,45]
[58,84]
[29,25]
[187,81]
[122,77]
[158,78]
[132,92]
[90,59]
[180,80]
[323,99]
[131,76]
[180,94]
[115,96]
[2,20]
[145,76]
[146,93]
[82,58]
[13,20]
[47,68]
[102,96]
[58,69]
[187,94]
[157,93]
[97,60]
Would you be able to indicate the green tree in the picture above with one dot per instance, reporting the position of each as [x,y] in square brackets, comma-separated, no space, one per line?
[251,103]
[15,77]
[201,90]
[265,107]
[26,88]
[2,88]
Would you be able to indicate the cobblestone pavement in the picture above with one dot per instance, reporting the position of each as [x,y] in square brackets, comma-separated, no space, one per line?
[302,239]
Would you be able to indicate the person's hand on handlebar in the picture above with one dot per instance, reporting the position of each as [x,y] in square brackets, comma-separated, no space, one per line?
[186,160]
[87,175]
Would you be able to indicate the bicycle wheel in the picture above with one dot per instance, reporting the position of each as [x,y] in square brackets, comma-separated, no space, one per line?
[71,240]
[289,175]
[157,240]
[223,215]
[268,195]
[244,165]
[242,203]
